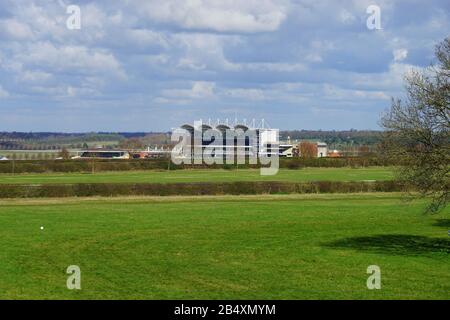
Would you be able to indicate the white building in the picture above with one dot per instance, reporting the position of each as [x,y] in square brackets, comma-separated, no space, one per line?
[240,138]
[286,150]
[322,149]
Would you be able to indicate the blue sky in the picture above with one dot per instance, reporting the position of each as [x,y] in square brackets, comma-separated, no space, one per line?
[149,65]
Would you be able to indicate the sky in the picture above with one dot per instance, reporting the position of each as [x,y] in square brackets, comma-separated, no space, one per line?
[146,65]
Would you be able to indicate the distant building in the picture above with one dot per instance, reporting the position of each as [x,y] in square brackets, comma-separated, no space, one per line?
[286,150]
[152,153]
[235,139]
[334,154]
[322,149]
[102,154]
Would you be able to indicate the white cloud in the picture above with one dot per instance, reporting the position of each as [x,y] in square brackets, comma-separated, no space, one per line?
[400,54]
[202,50]
[200,89]
[44,21]
[3,93]
[346,17]
[391,80]
[218,15]
[15,30]
[336,93]
[70,58]
[251,94]
[72,92]
[64,91]
[34,76]
[314,57]
[274,66]
[145,37]
[190,64]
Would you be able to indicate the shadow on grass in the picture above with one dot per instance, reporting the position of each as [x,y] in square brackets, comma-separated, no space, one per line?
[396,244]
[445,223]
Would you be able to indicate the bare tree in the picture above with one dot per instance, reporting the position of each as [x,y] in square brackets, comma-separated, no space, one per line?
[64,153]
[418,130]
[308,149]
[131,144]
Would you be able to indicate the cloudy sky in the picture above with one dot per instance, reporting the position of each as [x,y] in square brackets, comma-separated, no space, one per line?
[147,65]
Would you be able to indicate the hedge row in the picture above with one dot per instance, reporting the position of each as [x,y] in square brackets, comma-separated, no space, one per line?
[296,163]
[41,166]
[207,188]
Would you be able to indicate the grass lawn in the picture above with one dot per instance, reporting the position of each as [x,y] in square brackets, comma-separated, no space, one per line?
[206,175]
[224,247]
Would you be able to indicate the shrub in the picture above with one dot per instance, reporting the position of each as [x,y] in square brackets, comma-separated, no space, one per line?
[85,165]
[203,188]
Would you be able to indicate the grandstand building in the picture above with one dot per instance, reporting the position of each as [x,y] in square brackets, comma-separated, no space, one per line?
[226,141]
[102,154]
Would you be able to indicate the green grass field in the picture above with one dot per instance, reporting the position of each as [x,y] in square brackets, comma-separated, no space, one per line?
[248,247]
[206,175]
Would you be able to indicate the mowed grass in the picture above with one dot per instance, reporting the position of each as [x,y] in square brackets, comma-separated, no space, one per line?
[206,175]
[224,247]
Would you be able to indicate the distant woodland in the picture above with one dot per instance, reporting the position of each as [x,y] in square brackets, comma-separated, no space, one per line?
[56,141]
